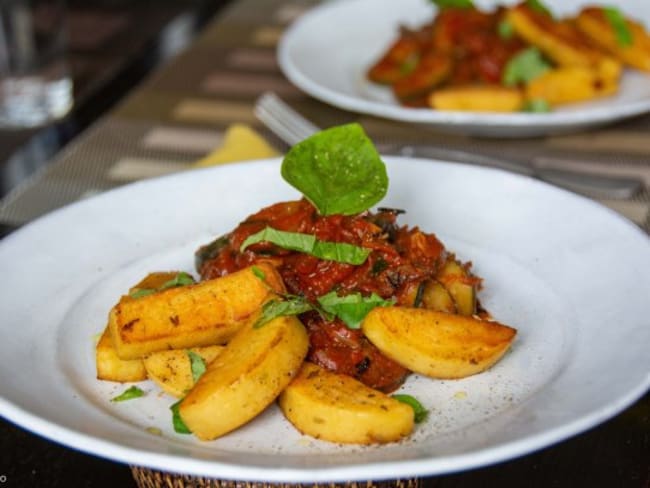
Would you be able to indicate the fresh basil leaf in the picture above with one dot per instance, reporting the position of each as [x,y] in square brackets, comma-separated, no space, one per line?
[524,67]
[177,421]
[259,273]
[142,292]
[341,252]
[338,170]
[505,30]
[197,365]
[420,413]
[181,279]
[409,64]
[537,105]
[294,241]
[129,394]
[307,243]
[453,3]
[619,25]
[292,305]
[352,308]
[539,7]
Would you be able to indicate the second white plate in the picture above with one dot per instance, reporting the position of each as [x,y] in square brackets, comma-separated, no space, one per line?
[327,51]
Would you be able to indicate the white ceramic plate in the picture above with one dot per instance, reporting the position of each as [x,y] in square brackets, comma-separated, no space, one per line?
[327,51]
[571,275]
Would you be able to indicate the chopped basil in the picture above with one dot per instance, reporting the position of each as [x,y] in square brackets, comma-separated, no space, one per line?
[524,67]
[619,25]
[409,64]
[419,412]
[538,6]
[142,292]
[177,421]
[307,243]
[338,170]
[505,30]
[341,252]
[197,365]
[352,308]
[537,105]
[292,305]
[259,273]
[129,394]
[453,3]
[181,279]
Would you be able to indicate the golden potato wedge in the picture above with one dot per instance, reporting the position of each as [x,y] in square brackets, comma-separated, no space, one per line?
[172,370]
[203,314]
[460,285]
[338,408]
[593,23]
[560,40]
[437,344]
[570,84]
[111,367]
[479,98]
[256,365]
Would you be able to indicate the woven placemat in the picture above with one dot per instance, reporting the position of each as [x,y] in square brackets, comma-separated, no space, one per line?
[150,478]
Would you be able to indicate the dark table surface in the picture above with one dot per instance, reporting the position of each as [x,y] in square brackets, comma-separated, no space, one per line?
[612,455]
[106,67]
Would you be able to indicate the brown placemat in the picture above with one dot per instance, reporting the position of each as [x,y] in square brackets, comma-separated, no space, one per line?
[150,478]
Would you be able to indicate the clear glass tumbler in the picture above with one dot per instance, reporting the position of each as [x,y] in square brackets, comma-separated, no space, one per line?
[35,84]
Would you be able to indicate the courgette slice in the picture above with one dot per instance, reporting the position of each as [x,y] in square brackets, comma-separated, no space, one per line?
[459,284]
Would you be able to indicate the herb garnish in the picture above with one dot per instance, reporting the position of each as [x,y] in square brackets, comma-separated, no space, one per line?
[524,67]
[197,365]
[350,309]
[290,305]
[419,412]
[181,279]
[307,243]
[338,170]
[177,421]
[129,394]
[537,105]
[453,3]
[619,25]
[506,30]
[539,7]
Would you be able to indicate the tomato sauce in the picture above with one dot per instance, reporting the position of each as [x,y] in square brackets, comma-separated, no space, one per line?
[400,259]
[460,46]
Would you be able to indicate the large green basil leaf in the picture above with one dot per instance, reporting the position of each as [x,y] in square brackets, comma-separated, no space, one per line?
[338,170]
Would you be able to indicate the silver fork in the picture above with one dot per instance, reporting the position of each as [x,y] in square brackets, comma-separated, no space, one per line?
[291,127]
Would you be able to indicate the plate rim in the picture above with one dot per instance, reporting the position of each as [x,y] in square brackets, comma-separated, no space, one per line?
[384,470]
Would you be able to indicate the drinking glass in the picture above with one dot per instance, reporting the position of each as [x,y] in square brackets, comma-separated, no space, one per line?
[35,84]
